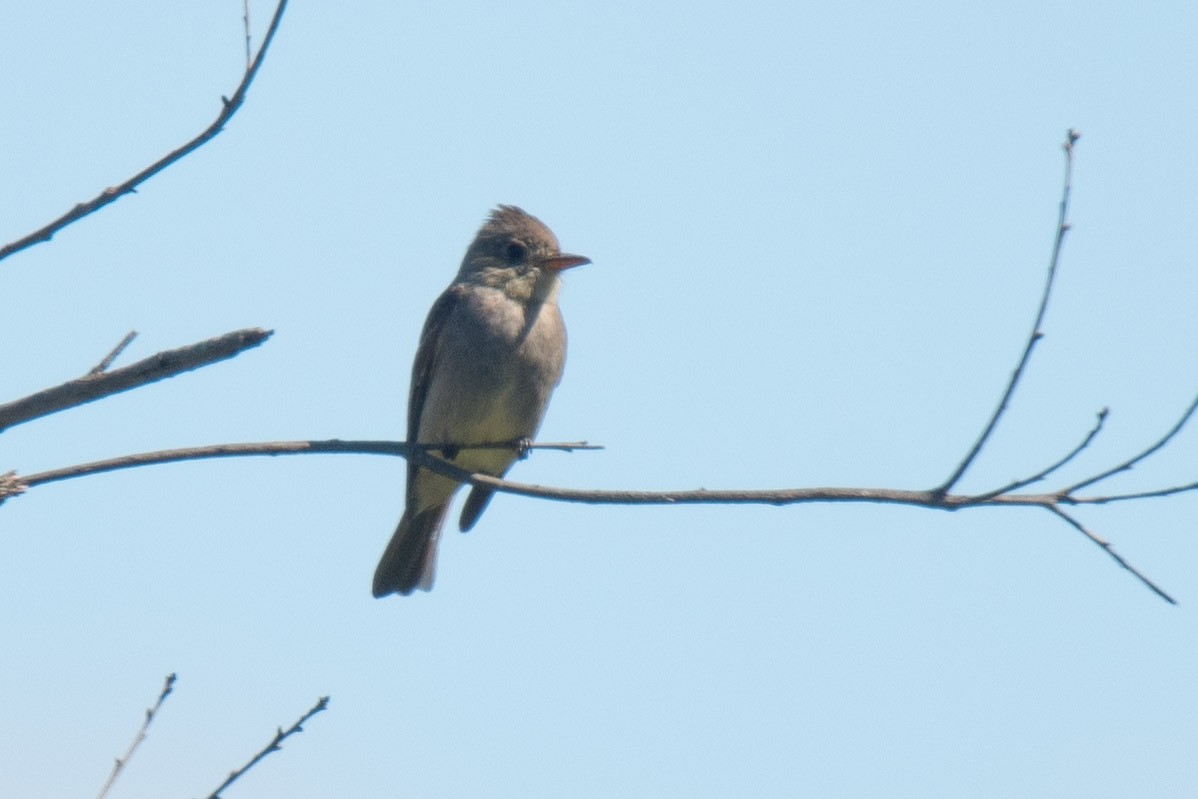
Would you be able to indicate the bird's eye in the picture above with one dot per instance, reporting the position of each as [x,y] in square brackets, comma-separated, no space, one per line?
[515,253]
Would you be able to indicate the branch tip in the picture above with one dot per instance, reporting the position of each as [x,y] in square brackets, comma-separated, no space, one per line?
[1131,462]
[1110,551]
[274,745]
[229,107]
[150,713]
[1034,336]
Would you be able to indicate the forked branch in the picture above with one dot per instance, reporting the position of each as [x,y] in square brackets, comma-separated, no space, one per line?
[99,384]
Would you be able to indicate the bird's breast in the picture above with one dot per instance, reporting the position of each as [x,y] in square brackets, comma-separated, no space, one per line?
[500,362]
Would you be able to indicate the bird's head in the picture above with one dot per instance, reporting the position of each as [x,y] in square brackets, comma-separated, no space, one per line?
[515,251]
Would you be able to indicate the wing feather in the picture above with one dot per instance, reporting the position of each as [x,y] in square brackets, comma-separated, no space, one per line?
[425,366]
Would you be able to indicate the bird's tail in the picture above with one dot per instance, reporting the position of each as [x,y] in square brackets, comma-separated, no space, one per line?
[410,558]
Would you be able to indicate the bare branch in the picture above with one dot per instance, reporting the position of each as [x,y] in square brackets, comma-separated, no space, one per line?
[12,484]
[1044,473]
[1106,547]
[103,365]
[1037,333]
[229,106]
[424,455]
[274,746]
[931,499]
[167,687]
[157,367]
[1130,463]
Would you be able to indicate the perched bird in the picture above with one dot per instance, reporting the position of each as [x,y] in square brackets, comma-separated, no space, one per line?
[491,353]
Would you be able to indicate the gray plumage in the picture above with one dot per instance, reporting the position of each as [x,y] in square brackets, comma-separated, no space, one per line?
[490,355]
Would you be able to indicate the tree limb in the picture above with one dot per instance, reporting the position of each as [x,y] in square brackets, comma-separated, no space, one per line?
[96,385]
[424,455]
[229,106]
[12,484]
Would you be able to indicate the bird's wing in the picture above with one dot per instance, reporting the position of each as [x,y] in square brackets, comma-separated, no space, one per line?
[425,364]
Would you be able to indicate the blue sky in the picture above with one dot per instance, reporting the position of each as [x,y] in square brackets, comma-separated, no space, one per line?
[819,232]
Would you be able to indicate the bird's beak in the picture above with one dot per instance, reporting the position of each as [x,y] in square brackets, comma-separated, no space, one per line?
[565,260]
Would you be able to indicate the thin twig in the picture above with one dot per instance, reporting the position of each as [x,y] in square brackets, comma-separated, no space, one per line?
[274,746]
[93,386]
[103,365]
[1044,473]
[1107,548]
[1130,463]
[245,5]
[1109,498]
[1037,333]
[118,767]
[229,106]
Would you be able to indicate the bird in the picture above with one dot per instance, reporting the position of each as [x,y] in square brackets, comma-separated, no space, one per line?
[490,354]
